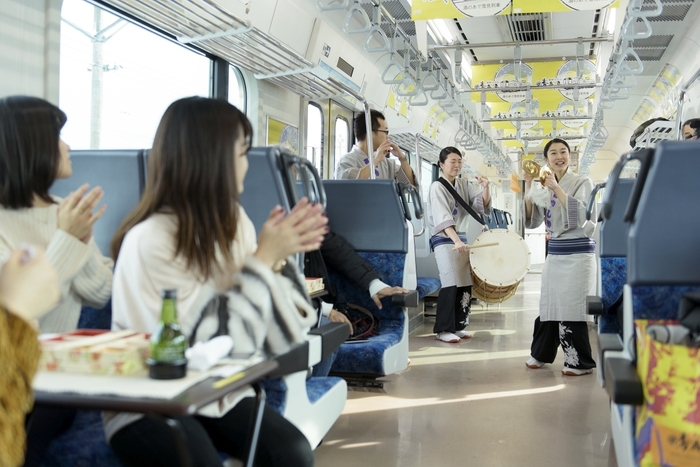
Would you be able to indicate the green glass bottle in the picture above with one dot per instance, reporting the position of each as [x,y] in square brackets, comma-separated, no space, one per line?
[167,344]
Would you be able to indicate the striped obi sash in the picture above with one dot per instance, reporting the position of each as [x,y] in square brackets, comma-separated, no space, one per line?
[437,240]
[571,246]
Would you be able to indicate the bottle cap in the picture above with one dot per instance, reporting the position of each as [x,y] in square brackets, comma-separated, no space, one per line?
[167,370]
[169,294]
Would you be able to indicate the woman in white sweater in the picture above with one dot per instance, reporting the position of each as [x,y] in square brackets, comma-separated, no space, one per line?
[32,156]
[189,233]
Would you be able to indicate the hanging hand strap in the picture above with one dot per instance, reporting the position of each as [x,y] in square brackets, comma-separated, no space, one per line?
[461,201]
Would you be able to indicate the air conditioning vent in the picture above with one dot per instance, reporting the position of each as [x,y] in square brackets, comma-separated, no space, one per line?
[527,27]
[652,48]
[673,10]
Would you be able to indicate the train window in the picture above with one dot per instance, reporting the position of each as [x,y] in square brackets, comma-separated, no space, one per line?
[236,88]
[314,136]
[117,79]
[342,135]
[426,177]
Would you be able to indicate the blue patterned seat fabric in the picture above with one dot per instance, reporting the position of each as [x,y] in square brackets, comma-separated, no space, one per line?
[84,444]
[427,285]
[368,357]
[316,387]
[658,302]
[613,273]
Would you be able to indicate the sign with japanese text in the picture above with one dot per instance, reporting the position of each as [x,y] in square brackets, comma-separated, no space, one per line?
[547,6]
[442,9]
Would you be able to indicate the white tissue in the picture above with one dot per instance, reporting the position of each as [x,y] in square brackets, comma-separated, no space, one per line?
[204,355]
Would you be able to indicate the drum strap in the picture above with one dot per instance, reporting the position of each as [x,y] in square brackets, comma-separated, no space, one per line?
[461,201]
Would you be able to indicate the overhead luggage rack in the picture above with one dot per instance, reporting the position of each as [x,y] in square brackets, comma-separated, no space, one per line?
[215,30]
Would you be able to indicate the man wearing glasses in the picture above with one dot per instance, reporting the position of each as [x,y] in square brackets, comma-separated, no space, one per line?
[356,164]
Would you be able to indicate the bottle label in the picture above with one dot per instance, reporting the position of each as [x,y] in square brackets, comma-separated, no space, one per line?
[167,353]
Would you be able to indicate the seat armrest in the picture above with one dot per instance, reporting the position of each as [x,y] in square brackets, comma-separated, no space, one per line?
[608,341]
[594,305]
[622,382]
[332,335]
[296,359]
[409,300]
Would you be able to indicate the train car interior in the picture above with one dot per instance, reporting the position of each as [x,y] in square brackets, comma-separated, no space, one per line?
[611,84]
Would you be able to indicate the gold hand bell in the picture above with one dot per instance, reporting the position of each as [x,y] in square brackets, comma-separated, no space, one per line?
[534,170]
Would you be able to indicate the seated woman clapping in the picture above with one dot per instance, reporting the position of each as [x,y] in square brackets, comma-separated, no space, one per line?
[190,233]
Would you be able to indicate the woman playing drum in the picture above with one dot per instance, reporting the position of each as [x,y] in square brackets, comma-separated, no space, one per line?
[451,251]
[569,270]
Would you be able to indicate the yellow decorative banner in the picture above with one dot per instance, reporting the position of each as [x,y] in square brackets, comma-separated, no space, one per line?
[431,9]
[497,79]
[548,6]
[434,120]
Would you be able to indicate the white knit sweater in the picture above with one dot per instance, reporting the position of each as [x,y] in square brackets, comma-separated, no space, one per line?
[85,275]
[266,311]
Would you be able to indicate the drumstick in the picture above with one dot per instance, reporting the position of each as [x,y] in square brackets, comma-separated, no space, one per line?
[473,247]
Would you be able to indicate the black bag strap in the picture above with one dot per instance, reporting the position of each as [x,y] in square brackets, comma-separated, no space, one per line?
[461,201]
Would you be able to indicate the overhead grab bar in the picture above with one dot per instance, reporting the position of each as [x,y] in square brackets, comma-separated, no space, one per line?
[358,15]
[430,82]
[408,85]
[623,68]
[636,9]
[420,98]
[377,34]
[342,4]
[628,32]
[442,87]
[395,77]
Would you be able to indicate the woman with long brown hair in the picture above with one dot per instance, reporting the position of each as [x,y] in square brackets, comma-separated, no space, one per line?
[190,233]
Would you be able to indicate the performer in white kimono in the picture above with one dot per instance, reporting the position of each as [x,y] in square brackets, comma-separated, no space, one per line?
[450,247]
[569,273]
[355,164]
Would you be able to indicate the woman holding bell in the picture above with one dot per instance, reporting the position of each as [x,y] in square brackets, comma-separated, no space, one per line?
[569,273]
[450,246]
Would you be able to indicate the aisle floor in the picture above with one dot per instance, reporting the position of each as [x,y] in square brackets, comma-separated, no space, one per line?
[476,403]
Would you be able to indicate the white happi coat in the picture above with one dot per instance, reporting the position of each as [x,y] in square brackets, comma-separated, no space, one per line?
[566,279]
[454,267]
[351,163]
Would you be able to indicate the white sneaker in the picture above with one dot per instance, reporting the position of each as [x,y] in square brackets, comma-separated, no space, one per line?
[463,334]
[575,372]
[447,337]
[534,363]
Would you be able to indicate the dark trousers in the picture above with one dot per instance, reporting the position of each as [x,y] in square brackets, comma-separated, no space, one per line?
[571,335]
[148,442]
[453,306]
[44,424]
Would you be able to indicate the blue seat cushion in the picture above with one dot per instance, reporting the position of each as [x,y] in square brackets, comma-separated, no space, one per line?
[316,387]
[613,274]
[658,302]
[368,357]
[275,393]
[427,285]
[96,318]
[609,324]
[83,445]
[276,390]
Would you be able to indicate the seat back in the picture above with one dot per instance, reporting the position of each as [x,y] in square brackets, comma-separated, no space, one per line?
[368,213]
[120,173]
[662,258]
[371,215]
[614,230]
[276,177]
